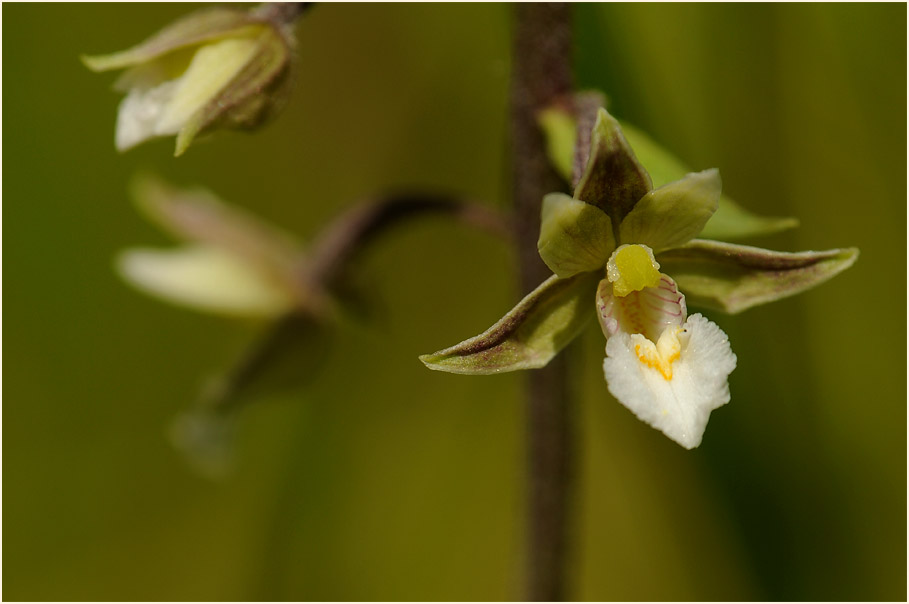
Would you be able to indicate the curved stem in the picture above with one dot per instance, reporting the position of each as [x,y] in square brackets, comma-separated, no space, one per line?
[352,232]
[541,75]
[322,272]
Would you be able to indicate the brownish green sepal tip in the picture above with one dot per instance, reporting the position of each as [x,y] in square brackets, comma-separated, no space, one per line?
[533,332]
[732,278]
[613,179]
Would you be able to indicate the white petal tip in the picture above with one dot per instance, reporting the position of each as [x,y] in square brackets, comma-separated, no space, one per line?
[673,394]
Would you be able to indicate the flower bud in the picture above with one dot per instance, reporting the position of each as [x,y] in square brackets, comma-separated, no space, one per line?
[215,69]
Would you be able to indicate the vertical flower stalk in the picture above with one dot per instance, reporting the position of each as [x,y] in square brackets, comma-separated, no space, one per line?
[541,74]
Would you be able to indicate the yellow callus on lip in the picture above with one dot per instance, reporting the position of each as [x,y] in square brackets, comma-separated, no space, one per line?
[661,355]
[632,268]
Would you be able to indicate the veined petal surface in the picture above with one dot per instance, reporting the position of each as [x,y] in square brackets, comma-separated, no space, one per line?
[647,312]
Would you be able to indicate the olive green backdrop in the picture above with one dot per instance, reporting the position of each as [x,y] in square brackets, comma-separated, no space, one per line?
[382,480]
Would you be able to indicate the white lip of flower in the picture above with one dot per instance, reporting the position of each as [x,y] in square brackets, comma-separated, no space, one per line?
[669,369]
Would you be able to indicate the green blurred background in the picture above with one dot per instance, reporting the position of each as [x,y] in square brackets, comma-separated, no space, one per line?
[383,480]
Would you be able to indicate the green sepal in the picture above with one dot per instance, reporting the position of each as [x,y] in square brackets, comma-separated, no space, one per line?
[674,213]
[196,28]
[533,332]
[732,278]
[560,133]
[730,221]
[613,179]
[575,237]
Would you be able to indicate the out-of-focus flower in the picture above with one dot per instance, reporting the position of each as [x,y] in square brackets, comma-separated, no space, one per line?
[230,264]
[606,245]
[216,69]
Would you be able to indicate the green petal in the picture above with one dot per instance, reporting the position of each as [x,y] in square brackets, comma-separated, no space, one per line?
[613,180]
[533,332]
[730,221]
[193,29]
[732,278]
[575,237]
[673,214]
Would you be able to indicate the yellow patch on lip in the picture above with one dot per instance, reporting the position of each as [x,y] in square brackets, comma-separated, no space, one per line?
[663,354]
[632,268]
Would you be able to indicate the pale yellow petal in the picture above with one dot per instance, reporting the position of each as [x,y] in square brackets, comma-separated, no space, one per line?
[204,278]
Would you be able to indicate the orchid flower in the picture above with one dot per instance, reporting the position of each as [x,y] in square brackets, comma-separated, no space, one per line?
[607,245]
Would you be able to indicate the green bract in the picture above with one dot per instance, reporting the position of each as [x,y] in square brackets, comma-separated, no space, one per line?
[217,68]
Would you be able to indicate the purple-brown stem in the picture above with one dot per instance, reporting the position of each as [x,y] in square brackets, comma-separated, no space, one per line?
[541,75]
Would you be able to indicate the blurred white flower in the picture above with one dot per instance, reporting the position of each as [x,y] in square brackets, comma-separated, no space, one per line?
[231,264]
[218,68]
